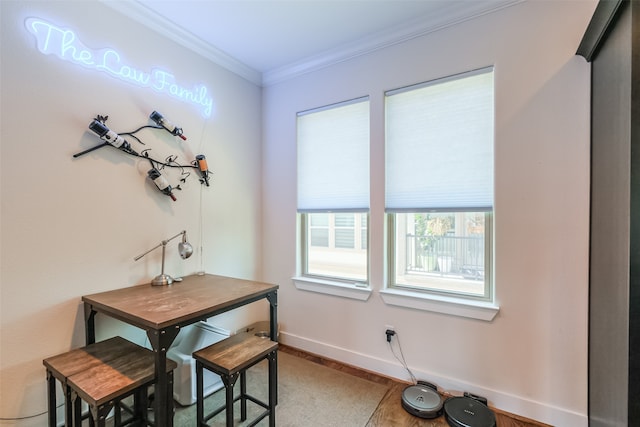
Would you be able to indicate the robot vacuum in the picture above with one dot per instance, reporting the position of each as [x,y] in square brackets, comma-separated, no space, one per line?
[422,400]
[468,411]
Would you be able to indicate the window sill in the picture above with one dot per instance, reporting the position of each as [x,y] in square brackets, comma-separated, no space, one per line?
[329,287]
[440,304]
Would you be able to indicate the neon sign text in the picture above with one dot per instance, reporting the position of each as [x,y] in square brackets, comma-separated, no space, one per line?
[63,43]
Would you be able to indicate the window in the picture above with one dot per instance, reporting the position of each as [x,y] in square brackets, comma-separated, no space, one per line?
[442,252]
[333,191]
[337,249]
[439,186]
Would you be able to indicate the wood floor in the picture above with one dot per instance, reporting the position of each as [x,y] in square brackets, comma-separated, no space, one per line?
[389,412]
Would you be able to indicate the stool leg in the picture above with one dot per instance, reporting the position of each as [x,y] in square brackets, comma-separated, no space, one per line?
[273,387]
[117,414]
[243,395]
[199,394]
[99,418]
[94,418]
[140,404]
[229,405]
[143,404]
[99,414]
[51,399]
[170,393]
[77,408]
[137,402]
[70,405]
[229,381]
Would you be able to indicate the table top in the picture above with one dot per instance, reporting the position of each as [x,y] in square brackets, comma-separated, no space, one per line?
[195,298]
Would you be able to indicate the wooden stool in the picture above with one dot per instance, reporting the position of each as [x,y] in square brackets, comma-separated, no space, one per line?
[231,358]
[102,374]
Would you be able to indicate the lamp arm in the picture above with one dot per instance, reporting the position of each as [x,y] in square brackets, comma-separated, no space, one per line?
[163,243]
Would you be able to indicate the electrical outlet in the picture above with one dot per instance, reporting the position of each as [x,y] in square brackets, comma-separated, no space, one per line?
[389,332]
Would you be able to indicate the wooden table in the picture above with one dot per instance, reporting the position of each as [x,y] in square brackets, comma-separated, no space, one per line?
[162,310]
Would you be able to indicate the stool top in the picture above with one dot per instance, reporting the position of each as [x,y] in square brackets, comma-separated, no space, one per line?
[66,364]
[235,353]
[113,378]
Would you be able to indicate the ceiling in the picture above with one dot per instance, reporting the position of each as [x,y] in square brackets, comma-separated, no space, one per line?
[268,40]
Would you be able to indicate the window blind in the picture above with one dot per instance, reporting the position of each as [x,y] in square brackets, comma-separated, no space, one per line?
[439,144]
[333,158]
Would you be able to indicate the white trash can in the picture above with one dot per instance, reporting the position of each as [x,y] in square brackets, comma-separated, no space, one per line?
[192,338]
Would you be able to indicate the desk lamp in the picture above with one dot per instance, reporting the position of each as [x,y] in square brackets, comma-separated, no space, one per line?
[184,249]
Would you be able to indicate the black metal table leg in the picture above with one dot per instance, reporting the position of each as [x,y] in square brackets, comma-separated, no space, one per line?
[90,324]
[160,342]
[272,297]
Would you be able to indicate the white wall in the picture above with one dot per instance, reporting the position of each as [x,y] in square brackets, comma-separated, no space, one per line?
[71,227]
[532,358]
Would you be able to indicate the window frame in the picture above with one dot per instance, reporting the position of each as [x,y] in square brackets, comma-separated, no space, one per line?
[304,255]
[325,285]
[488,295]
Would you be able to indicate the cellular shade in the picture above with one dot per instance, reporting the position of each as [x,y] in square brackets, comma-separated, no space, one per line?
[439,145]
[333,158]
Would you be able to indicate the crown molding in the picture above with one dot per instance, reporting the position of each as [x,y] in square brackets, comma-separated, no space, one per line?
[455,13]
[149,18]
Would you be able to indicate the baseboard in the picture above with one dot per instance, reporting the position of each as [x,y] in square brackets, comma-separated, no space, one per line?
[517,405]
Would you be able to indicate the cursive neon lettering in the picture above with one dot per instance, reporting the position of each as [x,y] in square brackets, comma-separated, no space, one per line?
[63,43]
[161,80]
[111,64]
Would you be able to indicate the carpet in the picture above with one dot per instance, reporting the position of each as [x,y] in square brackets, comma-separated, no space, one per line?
[309,395]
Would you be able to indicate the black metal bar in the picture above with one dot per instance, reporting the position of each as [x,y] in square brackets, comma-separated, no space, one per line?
[161,342]
[90,324]
[82,153]
[229,381]
[170,405]
[272,297]
[51,399]
[69,405]
[273,387]
[77,409]
[243,395]
[199,394]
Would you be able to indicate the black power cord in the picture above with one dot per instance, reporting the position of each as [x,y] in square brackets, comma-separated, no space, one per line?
[390,333]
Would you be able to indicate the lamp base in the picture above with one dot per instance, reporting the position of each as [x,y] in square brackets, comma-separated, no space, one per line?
[162,280]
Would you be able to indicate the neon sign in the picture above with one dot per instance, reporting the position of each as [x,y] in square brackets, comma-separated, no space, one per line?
[63,43]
